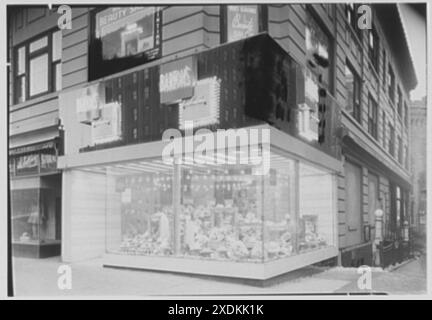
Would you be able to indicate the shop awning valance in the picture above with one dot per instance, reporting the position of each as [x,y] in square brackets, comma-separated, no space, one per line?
[50,144]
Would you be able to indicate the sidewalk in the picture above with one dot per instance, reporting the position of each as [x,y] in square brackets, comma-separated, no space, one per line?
[39,278]
[409,278]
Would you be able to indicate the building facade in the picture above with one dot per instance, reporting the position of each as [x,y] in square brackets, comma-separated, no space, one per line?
[333,98]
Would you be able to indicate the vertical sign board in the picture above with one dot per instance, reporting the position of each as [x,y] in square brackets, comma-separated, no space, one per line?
[242,22]
[177,79]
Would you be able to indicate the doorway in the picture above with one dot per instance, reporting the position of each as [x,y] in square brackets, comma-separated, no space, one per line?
[353,203]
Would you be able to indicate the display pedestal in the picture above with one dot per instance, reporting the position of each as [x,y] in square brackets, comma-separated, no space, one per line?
[229,269]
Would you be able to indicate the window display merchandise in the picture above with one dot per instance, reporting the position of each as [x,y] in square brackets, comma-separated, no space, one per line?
[34,216]
[219,212]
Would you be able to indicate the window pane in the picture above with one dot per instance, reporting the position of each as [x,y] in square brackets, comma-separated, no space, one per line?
[57,46]
[25,208]
[39,74]
[58,76]
[349,83]
[20,89]
[315,216]
[38,44]
[21,61]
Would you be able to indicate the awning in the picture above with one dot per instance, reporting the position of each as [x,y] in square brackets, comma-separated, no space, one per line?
[50,144]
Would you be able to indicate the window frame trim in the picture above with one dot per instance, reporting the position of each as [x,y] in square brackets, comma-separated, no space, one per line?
[28,57]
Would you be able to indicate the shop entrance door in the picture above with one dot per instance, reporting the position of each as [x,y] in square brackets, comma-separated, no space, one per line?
[373,202]
[353,203]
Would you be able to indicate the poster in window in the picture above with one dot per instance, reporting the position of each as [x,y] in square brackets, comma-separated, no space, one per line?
[129,31]
[242,22]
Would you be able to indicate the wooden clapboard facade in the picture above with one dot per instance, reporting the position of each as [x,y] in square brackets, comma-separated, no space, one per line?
[188,30]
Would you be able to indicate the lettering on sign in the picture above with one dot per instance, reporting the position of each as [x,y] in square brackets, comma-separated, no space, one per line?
[177,80]
[242,22]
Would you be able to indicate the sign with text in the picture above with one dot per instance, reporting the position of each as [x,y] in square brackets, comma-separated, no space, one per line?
[177,79]
[242,22]
[203,107]
[127,31]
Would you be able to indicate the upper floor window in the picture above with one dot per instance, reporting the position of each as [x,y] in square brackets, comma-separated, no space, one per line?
[384,130]
[319,50]
[406,162]
[406,114]
[391,140]
[241,21]
[38,66]
[391,84]
[400,102]
[400,150]
[384,70]
[124,37]
[351,15]
[353,86]
[373,117]
[373,48]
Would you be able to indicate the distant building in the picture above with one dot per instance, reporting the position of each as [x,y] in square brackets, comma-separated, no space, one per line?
[418,121]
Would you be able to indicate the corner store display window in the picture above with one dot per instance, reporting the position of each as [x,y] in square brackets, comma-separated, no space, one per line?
[218,212]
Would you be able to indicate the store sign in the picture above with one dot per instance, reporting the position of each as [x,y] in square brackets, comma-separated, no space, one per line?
[242,22]
[307,112]
[33,148]
[203,107]
[177,79]
[127,31]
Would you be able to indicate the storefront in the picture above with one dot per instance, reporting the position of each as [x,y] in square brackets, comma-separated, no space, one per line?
[210,210]
[35,200]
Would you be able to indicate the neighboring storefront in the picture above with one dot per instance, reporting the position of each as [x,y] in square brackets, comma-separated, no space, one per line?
[211,213]
[35,194]
[370,186]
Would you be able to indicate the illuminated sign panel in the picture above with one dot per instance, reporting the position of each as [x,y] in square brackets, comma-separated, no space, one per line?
[177,79]
[203,107]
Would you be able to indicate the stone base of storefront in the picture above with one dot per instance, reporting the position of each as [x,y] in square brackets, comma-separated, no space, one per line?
[357,256]
[36,250]
[241,270]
